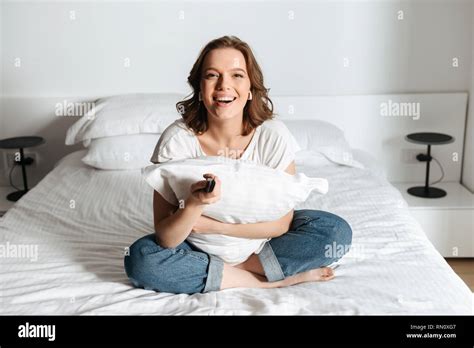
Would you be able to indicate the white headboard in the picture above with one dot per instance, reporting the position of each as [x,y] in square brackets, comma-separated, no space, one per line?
[359,116]
[370,123]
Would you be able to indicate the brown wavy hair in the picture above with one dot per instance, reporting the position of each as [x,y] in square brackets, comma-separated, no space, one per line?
[255,112]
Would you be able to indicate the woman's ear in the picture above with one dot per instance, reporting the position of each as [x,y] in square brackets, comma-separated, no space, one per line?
[250,95]
[200,96]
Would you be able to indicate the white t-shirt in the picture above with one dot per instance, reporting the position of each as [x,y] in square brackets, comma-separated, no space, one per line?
[272,145]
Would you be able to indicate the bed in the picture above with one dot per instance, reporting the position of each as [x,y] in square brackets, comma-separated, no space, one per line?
[82,220]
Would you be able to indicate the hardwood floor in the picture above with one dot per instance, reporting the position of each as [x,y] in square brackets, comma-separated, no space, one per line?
[464,268]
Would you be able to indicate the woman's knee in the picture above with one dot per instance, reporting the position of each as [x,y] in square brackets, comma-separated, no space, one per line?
[336,232]
[138,260]
[172,270]
[343,232]
[340,239]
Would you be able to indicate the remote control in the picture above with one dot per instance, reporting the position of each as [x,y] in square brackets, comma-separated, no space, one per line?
[209,185]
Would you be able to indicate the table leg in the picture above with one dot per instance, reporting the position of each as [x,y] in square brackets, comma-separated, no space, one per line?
[427,177]
[23,169]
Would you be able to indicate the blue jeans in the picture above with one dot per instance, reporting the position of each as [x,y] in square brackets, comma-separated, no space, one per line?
[315,239]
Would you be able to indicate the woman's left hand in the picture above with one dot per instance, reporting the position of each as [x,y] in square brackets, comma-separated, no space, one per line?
[205,225]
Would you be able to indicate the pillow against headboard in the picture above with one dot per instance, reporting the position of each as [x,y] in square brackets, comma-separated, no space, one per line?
[322,137]
[131,152]
[122,152]
[133,114]
[124,115]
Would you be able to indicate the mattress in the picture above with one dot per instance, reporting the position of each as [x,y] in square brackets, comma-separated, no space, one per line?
[81,220]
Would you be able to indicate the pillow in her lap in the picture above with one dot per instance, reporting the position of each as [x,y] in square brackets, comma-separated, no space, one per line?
[250,192]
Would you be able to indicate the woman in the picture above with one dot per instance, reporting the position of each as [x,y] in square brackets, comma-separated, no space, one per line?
[229,114]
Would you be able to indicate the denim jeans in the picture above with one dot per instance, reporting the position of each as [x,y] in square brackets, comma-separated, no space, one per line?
[315,239]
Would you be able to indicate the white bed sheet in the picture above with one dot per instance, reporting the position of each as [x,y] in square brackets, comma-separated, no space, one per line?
[82,219]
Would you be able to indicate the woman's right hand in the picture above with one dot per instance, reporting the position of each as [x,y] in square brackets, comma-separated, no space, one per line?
[199,197]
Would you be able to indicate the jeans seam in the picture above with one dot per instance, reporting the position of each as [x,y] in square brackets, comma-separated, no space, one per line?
[306,219]
[150,249]
[193,255]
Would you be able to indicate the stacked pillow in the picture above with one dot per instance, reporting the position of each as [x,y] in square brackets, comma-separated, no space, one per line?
[321,141]
[121,152]
[121,131]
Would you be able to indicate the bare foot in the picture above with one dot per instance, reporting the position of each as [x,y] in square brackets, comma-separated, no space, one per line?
[234,277]
[313,275]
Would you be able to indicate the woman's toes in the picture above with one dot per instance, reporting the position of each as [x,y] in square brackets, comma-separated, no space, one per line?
[327,273]
[314,275]
[323,273]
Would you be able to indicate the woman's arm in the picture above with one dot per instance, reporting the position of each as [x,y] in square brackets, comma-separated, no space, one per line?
[171,229]
[269,229]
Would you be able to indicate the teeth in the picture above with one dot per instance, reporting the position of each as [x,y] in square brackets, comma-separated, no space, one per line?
[225,99]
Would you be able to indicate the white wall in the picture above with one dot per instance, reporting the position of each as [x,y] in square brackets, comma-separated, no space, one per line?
[468,165]
[360,115]
[300,56]
[301,46]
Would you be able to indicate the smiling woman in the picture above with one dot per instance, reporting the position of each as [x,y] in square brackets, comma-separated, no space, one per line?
[229,109]
[226,69]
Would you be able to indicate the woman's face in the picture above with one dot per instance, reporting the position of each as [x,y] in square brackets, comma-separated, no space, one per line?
[225,85]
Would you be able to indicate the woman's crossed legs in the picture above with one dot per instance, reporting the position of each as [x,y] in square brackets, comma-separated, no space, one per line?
[315,240]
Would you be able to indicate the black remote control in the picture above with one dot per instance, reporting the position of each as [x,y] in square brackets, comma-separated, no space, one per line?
[210,185]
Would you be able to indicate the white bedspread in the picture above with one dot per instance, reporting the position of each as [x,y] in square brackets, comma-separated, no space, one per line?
[82,219]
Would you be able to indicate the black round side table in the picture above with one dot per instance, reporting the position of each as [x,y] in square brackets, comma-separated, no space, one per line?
[20,143]
[428,139]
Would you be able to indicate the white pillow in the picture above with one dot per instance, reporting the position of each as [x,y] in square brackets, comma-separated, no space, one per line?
[250,193]
[125,114]
[305,158]
[122,152]
[323,137]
